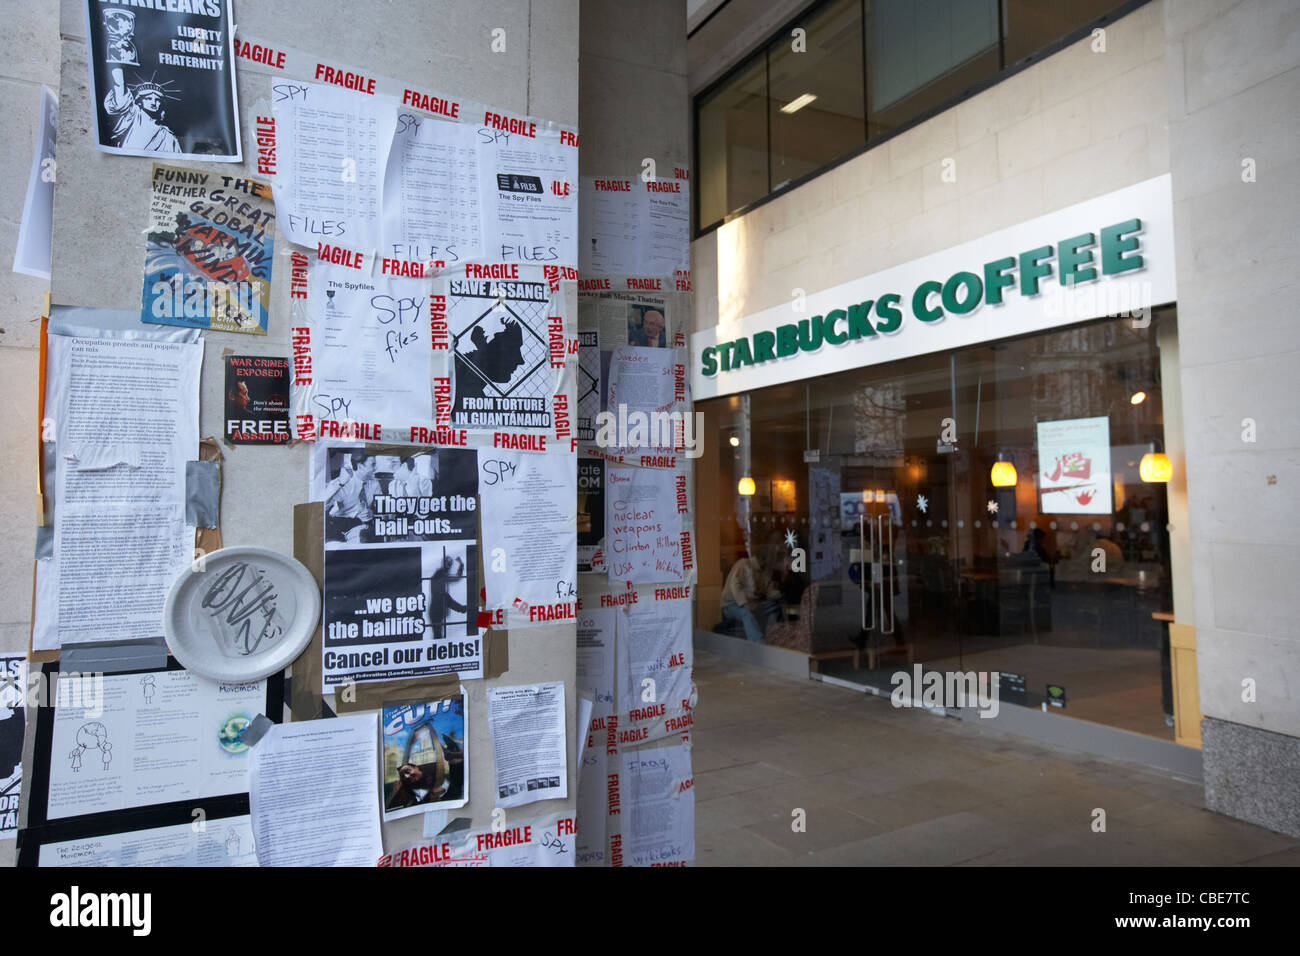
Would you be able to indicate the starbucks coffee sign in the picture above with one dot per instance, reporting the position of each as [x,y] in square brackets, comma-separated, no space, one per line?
[1105,257]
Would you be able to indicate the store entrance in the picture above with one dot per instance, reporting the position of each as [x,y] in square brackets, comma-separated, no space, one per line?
[977,511]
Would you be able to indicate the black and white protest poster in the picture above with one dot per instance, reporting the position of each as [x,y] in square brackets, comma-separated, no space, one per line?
[162,73]
[401,562]
[501,341]
[591,514]
[13,697]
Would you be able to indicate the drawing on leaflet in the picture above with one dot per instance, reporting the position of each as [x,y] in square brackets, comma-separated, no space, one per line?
[92,736]
[138,115]
[147,687]
[232,843]
[231,734]
[499,345]
[119,27]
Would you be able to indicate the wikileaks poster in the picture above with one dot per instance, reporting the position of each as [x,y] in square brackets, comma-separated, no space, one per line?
[401,562]
[500,332]
[162,74]
[208,251]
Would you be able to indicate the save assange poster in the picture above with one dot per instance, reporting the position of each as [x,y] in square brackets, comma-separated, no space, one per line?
[162,73]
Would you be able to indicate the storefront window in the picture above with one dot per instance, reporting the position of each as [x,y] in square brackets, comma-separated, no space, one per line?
[732,131]
[978,510]
[816,92]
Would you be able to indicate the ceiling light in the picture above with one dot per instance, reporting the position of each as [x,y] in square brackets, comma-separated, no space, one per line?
[1138,398]
[798,103]
[735,442]
[746,486]
[1003,474]
[1155,467]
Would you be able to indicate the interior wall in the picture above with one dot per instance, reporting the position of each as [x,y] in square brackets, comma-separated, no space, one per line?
[101,209]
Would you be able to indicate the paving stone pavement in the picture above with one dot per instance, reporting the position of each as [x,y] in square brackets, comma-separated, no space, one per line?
[886,786]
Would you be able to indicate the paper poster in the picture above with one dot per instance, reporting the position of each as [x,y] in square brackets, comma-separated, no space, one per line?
[223,842]
[420,191]
[13,701]
[163,79]
[1074,466]
[311,790]
[529,534]
[500,334]
[401,596]
[659,807]
[208,251]
[548,841]
[635,227]
[432,211]
[642,531]
[529,743]
[425,757]
[529,189]
[591,514]
[371,352]
[655,647]
[32,250]
[125,418]
[588,384]
[595,672]
[132,740]
[589,842]
[330,147]
[257,400]
[642,400]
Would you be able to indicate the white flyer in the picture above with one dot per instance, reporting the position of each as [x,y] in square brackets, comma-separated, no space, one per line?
[312,792]
[642,530]
[659,817]
[655,661]
[373,355]
[529,513]
[332,148]
[431,193]
[135,740]
[642,399]
[529,743]
[529,190]
[32,250]
[124,416]
[224,842]
[596,658]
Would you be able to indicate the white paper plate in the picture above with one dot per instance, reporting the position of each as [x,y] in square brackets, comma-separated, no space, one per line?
[241,614]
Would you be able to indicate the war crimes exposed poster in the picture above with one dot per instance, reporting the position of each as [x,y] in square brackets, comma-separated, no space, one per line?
[257,400]
[162,75]
[208,253]
[425,757]
[500,333]
[401,565]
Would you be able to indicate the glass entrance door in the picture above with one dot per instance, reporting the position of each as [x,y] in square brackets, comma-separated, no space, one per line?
[981,510]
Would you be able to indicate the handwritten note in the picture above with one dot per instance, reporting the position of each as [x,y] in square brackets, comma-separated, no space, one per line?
[659,822]
[643,533]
